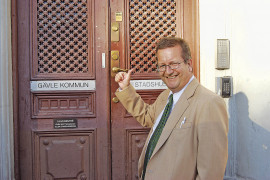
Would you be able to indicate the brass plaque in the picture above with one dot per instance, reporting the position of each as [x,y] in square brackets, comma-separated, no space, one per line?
[115,32]
[119,16]
[115,56]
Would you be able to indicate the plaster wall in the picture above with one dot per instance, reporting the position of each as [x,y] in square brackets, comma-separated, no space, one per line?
[246,24]
[6,118]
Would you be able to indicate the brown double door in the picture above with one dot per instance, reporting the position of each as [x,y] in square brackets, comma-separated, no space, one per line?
[68,122]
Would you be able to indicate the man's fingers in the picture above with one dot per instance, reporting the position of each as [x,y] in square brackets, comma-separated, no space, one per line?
[130,72]
[119,77]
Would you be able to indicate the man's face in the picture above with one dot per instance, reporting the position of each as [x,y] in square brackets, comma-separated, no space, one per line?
[175,79]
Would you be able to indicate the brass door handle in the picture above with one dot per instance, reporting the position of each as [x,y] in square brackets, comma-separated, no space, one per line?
[116,70]
[115,99]
[115,28]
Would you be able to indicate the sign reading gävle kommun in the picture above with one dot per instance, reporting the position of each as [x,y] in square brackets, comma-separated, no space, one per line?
[65,123]
[63,85]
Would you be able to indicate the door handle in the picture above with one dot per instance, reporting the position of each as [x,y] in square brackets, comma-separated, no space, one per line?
[116,70]
[115,99]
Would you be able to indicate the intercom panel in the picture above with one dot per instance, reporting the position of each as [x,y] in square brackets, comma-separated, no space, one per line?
[224,86]
[223,54]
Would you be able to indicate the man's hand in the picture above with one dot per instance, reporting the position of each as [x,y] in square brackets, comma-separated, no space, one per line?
[123,79]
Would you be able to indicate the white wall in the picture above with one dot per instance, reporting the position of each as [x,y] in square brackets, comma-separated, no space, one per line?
[246,24]
[6,113]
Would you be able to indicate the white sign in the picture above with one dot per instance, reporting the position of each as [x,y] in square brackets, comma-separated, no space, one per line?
[63,85]
[148,84]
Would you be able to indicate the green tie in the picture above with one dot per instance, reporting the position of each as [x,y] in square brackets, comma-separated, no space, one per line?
[154,138]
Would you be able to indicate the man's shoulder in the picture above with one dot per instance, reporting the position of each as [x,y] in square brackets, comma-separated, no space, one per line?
[165,92]
[206,94]
[164,95]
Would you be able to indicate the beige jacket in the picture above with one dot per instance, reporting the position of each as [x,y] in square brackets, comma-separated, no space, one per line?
[197,150]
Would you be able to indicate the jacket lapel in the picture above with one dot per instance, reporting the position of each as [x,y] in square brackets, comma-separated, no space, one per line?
[176,114]
[162,104]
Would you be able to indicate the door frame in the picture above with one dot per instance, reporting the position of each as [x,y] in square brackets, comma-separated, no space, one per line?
[14,41]
[191,32]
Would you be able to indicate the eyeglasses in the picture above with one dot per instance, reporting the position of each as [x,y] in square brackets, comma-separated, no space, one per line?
[162,68]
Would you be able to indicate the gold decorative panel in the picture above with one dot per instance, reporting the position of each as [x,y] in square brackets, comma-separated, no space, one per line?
[149,21]
[62,35]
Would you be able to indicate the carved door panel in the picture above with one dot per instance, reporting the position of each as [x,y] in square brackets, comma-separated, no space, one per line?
[140,24]
[63,124]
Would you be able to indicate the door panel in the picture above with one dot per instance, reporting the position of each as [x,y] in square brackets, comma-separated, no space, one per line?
[62,37]
[64,155]
[64,123]
[143,23]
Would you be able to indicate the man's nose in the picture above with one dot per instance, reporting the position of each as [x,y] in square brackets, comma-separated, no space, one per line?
[168,70]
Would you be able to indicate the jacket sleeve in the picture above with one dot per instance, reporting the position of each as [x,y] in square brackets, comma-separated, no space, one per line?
[212,130]
[133,103]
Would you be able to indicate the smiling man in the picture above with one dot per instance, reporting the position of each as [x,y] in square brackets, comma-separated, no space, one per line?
[189,124]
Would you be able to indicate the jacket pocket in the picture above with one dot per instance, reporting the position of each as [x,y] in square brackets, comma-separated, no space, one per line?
[182,126]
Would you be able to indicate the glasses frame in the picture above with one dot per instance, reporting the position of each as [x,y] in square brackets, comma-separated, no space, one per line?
[177,65]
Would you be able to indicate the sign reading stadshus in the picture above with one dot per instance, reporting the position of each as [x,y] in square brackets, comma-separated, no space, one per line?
[148,84]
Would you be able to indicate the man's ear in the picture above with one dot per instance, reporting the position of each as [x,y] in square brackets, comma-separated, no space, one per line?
[190,65]
[190,62]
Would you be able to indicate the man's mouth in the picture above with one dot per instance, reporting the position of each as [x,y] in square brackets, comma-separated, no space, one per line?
[171,77]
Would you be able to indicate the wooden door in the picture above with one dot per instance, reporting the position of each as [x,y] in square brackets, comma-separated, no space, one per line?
[67,126]
[63,90]
[140,24]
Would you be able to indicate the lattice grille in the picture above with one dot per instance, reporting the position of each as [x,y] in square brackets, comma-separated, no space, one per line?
[149,21]
[62,36]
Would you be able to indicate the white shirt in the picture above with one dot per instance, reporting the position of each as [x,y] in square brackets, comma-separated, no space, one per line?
[176,97]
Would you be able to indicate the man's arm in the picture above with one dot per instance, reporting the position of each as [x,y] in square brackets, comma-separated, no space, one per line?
[212,140]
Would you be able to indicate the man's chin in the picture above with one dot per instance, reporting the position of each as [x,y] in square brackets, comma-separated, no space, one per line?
[171,87]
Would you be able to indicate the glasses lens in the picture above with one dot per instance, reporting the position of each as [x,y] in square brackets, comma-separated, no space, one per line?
[171,66]
[161,68]
[174,66]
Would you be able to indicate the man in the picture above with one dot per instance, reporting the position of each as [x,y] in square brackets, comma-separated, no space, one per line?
[188,137]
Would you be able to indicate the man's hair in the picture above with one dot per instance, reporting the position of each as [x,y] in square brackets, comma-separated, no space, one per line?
[168,42]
